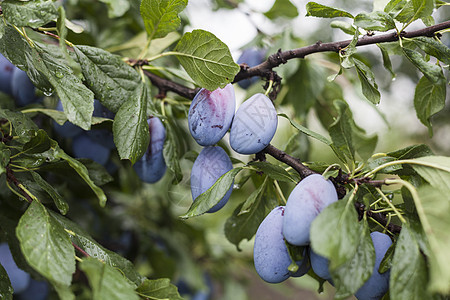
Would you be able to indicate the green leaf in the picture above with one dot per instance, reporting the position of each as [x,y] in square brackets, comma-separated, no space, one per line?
[107,282]
[434,48]
[321,11]
[213,195]
[158,289]
[307,131]
[161,16]
[5,155]
[116,8]
[435,170]
[243,225]
[341,132]
[84,174]
[431,71]
[77,99]
[429,99]
[130,128]
[367,79]
[409,274]
[414,9]
[377,20]
[394,6]
[6,290]
[22,125]
[45,244]
[347,53]
[29,13]
[336,223]
[435,203]
[344,26]
[386,60]
[60,203]
[350,276]
[2,29]
[171,152]
[273,171]
[108,76]
[37,144]
[82,239]
[282,8]
[206,59]
[413,151]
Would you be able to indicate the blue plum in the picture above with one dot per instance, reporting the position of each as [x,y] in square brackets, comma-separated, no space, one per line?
[6,71]
[22,88]
[36,290]
[378,284]
[84,147]
[252,57]
[210,114]
[67,130]
[305,202]
[102,136]
[19,279]
[320,265]
[211,163]
[152,167]
[254,125]
[270,253]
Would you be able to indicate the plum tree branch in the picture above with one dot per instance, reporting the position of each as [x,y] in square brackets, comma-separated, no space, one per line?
[295,163]
[282,57]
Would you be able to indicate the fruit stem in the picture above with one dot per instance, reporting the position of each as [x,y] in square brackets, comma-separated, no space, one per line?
[399,215]
[280,192]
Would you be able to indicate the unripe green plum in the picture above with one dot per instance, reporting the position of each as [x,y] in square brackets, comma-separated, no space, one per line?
[304,204]
[254,125]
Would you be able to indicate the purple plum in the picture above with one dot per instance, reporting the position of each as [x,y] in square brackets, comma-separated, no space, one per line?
[305,202]
[19,279]
[22,88]
[210,114]
[252,57]
[67,130]
[254,125]
[211,163]
[6,71]
[84,147]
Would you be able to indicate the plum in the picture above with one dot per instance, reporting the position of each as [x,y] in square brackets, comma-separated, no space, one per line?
[305,202]
[19,279]
[252,57]
[270,253]
[36,290]
[152,167]
[102,136]
[210,114]
[211,163]
[320,265]
[378,284]
[84,147]
[22,88]
[6,71]
[67,130]
[254,125]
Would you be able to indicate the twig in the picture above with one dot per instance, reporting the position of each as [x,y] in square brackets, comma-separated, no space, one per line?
[379,217]
[289,160]
[80,250]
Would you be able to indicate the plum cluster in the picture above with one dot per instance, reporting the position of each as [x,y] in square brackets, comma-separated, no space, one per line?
[291,224]
[211,114]
[25,287]
[16,83]
[95,144]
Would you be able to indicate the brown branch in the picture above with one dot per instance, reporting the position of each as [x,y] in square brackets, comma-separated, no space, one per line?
[379,217]
[281,57]
[12,179]
[165,85]
[289,160]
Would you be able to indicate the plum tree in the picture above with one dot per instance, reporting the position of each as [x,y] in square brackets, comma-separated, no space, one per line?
[19,279]
[378,284]
[254,125]
[22,88]
[251,57]
[210,164]
[305,202]
[151,167]
[6,71]
[270,254]
[210,114]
